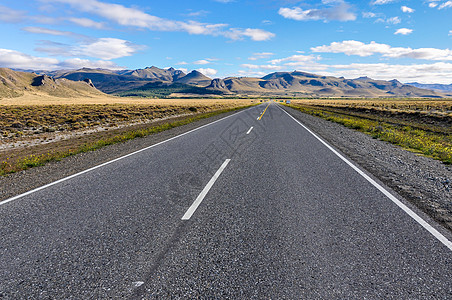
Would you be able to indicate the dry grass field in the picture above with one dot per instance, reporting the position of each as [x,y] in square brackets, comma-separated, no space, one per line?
[420,125]
[35,128]
[37,98]
[21,120]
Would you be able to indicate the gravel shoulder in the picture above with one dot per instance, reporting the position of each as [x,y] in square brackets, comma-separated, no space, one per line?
[425,182]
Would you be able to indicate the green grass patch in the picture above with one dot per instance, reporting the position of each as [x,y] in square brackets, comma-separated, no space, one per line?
[431,144]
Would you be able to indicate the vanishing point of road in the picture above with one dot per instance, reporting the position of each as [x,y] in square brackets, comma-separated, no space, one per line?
[252,206]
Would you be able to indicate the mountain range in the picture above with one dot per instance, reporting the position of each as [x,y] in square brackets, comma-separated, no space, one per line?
[15,84]
[443,88]
[157,82]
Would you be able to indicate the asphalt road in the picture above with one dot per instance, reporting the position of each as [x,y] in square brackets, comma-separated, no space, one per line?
[278,215]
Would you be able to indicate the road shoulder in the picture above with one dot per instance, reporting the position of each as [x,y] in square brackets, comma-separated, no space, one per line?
[421,180]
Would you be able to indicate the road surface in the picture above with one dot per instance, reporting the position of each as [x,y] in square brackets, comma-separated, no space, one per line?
[250,206]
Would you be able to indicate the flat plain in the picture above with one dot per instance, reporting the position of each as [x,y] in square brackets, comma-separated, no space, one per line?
[35,129]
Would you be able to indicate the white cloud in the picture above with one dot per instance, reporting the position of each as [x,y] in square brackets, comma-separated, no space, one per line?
[254,34]
[295,58]
[445,5]
[16,59]
[362,49]
[380,2]
[407,9]
[19,60]
[54,48]
[260,55]
[353,48]
[224,1]
[294,62]
[108,48]
[41,30]
[44,20]
[103,48]
[134,17]
[250,66]
[201,62]
[369,15]
[439,72]
[262,67]
[403,31]
[450,32]
[248,73]
[8,15]
[208,71]
[194,27]
[181,63]
[338,10]
[432,4]
[87,23]
[78,63]
[393,20]
[198,13]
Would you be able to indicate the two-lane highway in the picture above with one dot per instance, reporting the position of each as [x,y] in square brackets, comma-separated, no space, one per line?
[251,206]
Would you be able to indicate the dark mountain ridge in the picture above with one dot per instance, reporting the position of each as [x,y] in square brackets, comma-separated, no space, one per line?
[296,83]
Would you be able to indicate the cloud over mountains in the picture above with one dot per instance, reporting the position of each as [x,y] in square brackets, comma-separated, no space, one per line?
[352,47]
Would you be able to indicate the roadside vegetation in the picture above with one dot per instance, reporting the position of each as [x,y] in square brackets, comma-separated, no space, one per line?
[29,120]
[420,126]
[21,123]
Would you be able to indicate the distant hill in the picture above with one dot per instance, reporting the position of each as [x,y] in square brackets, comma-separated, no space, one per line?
[15,84]
[161,89]
[155,73]
[105,80]
[125,80]
[289,84]
[434,87]
[306,84]
[195,78]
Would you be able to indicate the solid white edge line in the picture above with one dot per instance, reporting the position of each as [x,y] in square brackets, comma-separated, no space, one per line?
[405,208]
[114,160]
[190,211]
[250,130]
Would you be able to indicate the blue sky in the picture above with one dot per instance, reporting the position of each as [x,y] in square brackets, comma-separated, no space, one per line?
[384,39]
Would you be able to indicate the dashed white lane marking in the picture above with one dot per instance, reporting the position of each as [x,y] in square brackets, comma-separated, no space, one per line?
[204,192]
[250,130]
[405,208]
[112,161]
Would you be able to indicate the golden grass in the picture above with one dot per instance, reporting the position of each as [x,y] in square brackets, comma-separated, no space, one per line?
[28,118]
[23,158]
[37,98]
